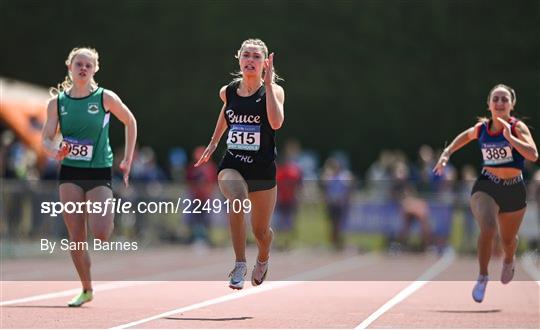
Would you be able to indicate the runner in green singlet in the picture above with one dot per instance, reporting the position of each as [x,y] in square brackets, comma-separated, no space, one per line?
[82,111]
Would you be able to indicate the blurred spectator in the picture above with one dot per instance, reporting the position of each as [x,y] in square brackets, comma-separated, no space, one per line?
[45,189]
[201,186]
[413,208]
[308,161]
[378,175]
[445,189]
[20,166]
[468,177]
[11,206]
[289,181]
[443,185]
[145,167]
[27,185]
[21,162]
[442,206]
[6,140]
[146,186]
[337,185]
[177,164]
[426,180]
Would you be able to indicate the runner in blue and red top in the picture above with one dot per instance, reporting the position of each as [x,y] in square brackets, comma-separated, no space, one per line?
[499,194]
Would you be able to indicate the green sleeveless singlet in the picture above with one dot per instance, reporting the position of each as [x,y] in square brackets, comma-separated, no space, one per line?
[84,124]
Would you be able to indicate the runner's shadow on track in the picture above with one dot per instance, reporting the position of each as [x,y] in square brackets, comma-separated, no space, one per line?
[481,311]
[221,319]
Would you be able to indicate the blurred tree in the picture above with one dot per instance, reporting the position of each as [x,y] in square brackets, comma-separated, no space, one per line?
[359,76]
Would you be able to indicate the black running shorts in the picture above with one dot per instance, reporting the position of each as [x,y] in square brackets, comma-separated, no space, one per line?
[509,194]
[86,178]
[259,175]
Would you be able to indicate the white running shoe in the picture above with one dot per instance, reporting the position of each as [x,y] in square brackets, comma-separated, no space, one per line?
[236,276]
[259,273]
[507,273]
[479,289]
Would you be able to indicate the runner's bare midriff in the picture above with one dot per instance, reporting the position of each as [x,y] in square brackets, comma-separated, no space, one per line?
[503,172]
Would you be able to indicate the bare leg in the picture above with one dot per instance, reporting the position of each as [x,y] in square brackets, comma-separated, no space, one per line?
[509,223]
[76,226]
[233,186]
[262,208]
[485,211]
[101,226]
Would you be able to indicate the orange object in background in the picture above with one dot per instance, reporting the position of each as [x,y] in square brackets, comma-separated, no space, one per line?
[23,108]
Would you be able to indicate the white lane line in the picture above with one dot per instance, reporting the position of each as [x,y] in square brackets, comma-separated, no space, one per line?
[528,264]
[206,303]
[321,272]
[143,280]
[70,292]
[443,263]
[58,269]
[100,268]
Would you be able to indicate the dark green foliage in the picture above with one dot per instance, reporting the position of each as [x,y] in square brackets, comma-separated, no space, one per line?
[359,76]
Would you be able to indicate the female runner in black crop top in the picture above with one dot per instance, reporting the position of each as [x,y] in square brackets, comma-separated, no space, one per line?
[252,111]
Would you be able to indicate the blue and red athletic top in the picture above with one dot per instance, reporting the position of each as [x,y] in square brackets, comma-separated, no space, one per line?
[496,150]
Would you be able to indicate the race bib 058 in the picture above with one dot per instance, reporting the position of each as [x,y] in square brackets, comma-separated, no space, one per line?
[80,150]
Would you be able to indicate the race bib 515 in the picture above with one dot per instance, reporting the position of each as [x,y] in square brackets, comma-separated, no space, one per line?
[244,137]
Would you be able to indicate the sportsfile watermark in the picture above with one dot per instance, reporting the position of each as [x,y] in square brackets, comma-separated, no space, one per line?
[120,206]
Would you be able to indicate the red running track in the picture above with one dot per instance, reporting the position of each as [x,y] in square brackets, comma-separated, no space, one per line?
[325,290]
